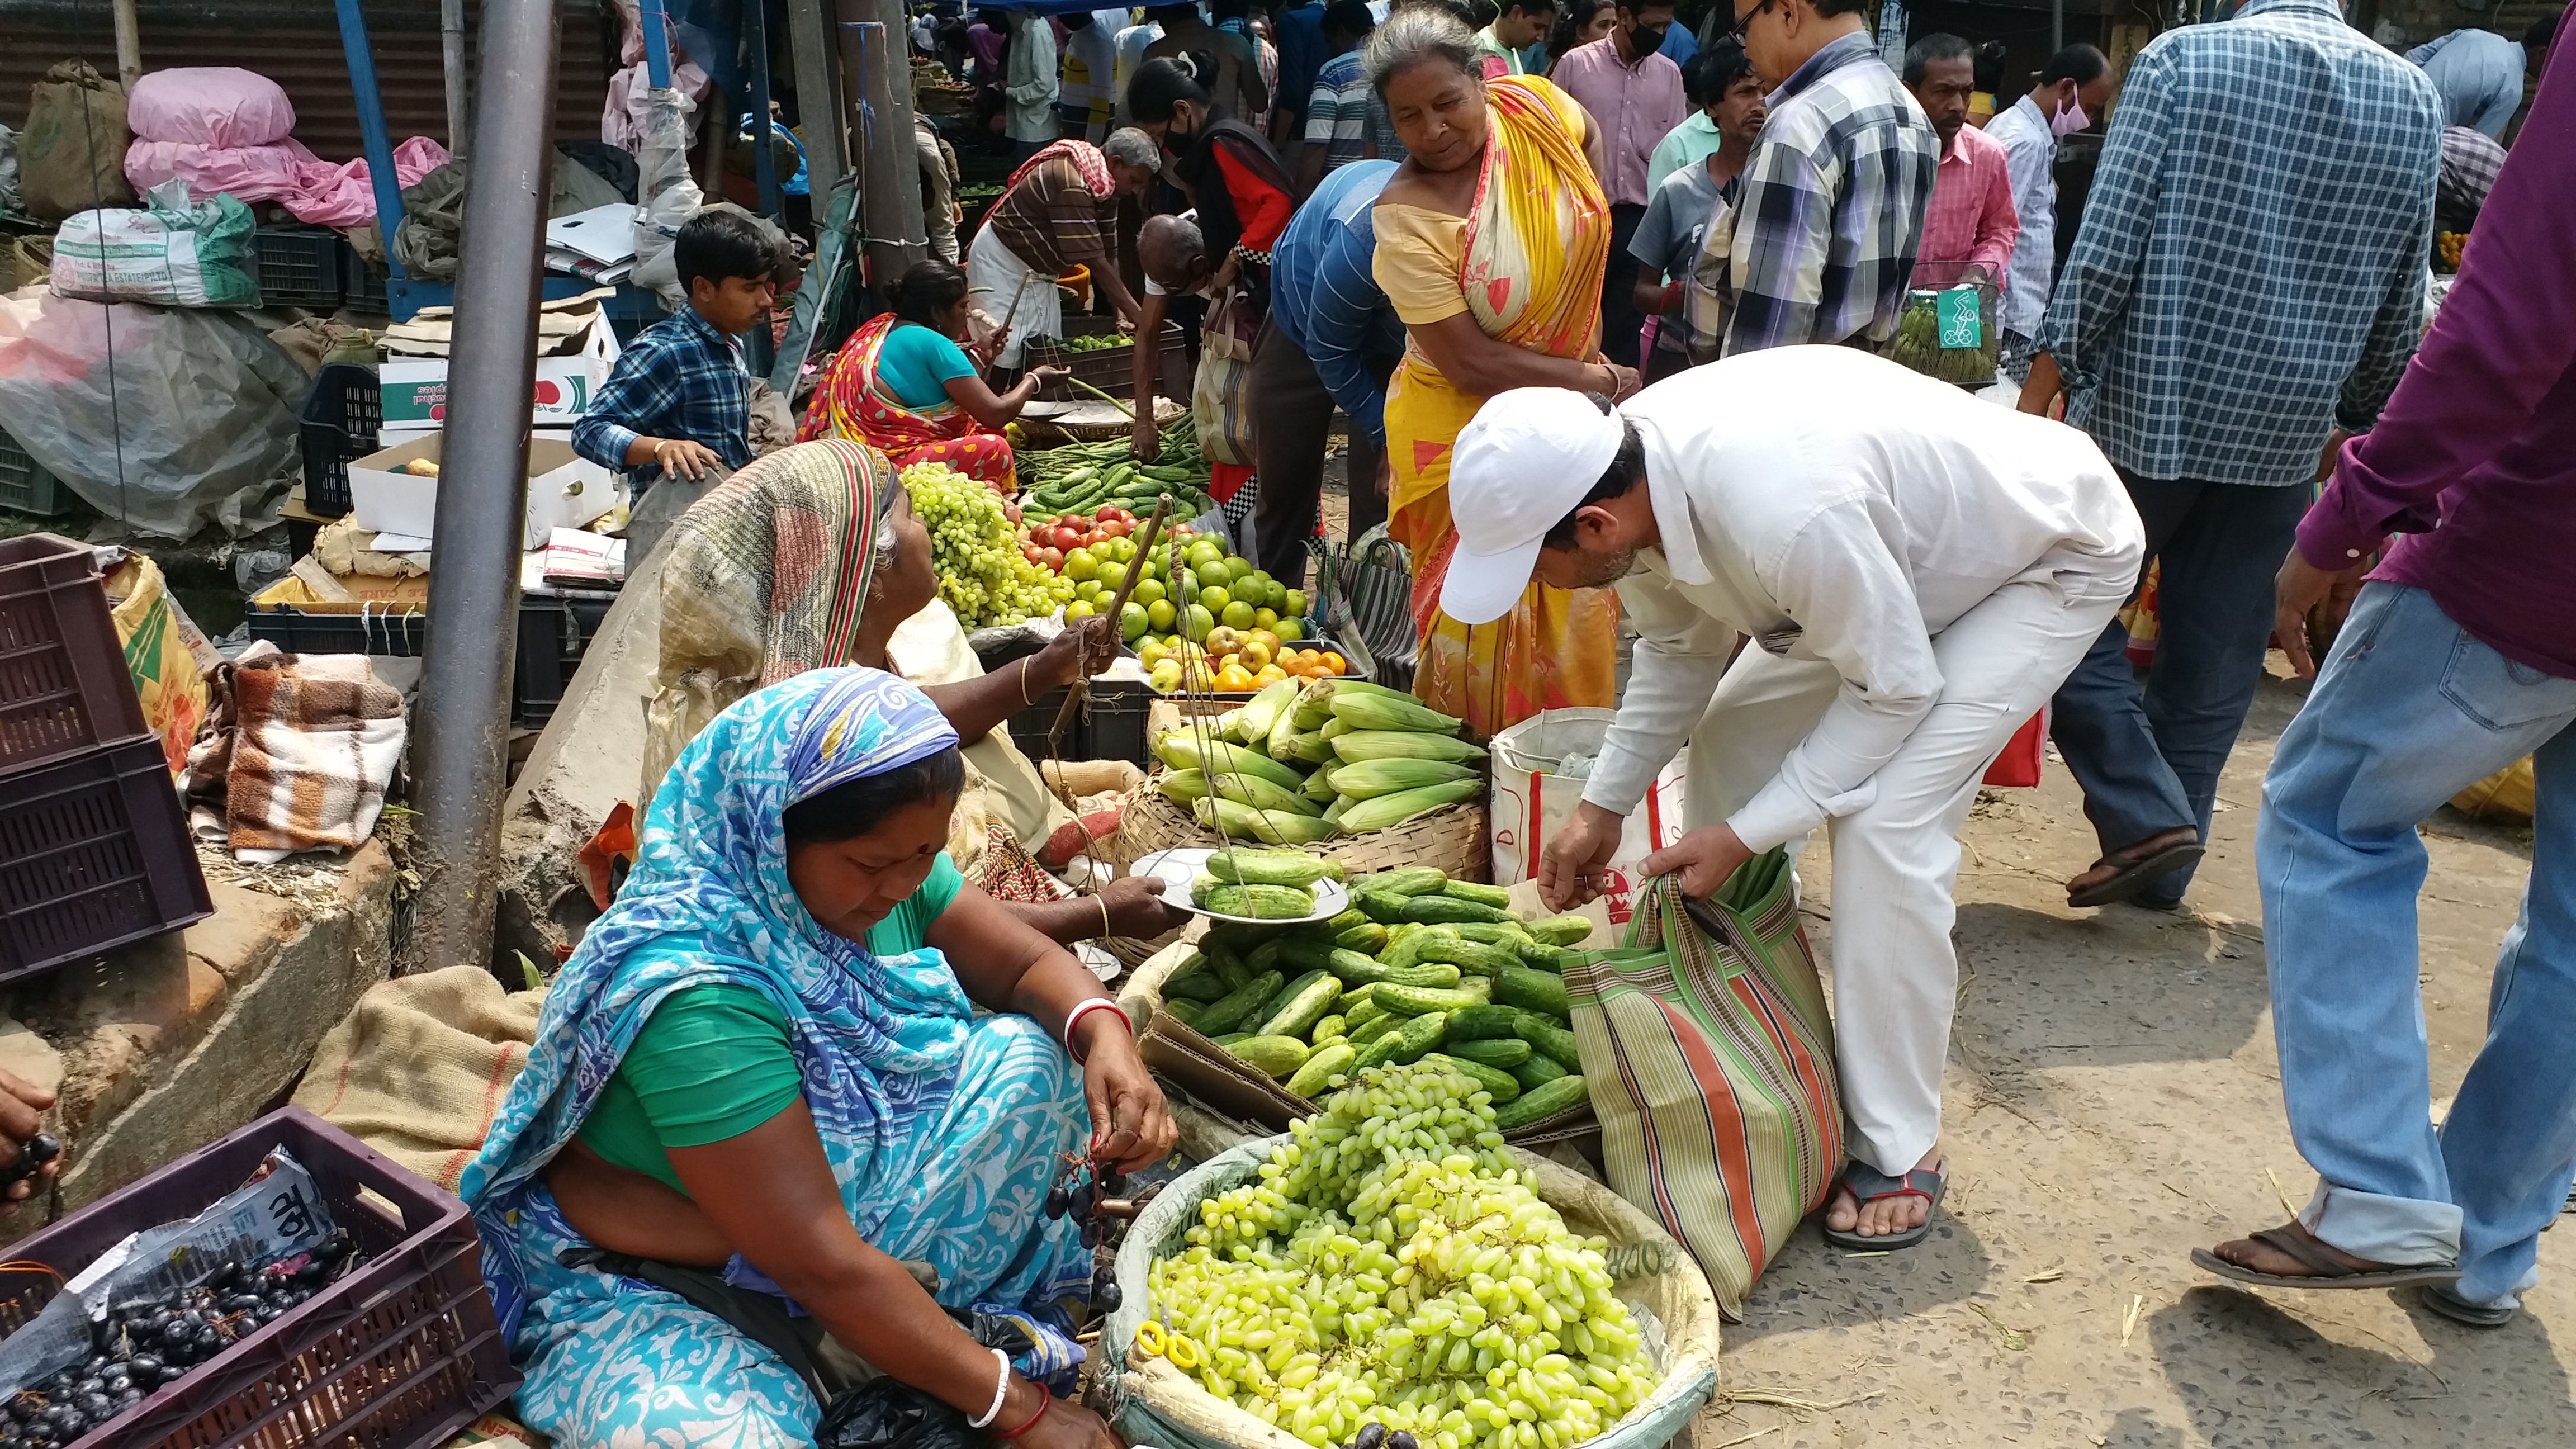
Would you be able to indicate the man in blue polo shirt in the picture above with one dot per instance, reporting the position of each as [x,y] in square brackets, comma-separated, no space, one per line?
[1332,340]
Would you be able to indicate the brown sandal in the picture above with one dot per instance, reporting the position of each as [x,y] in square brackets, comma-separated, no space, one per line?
[2294,1239]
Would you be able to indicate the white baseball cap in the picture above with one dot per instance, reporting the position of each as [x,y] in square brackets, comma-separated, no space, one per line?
[1524,462]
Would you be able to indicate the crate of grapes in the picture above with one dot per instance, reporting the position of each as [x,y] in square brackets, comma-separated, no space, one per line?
[380,1334]
[1632,1358]
[1947,330]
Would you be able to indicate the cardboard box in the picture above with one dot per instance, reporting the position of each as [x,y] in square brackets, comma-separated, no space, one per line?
[564,490]
[415,388]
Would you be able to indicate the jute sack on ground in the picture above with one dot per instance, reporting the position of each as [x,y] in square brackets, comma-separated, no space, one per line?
[417,1069]
[1153,1403]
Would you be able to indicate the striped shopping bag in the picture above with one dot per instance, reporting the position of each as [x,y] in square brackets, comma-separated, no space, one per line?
[1710,1057]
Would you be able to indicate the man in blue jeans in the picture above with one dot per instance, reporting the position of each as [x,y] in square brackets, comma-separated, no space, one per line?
[2456,661]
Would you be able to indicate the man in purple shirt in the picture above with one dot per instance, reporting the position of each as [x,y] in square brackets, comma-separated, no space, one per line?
[1635,97]
[2457,660]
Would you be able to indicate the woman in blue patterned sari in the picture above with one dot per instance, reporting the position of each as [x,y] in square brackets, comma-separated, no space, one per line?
[766,1069]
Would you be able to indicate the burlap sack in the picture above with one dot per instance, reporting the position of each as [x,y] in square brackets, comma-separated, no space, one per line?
[1154,1403]
[418,1068]
[71,157]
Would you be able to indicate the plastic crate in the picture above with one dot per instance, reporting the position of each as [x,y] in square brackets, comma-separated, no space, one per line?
[300,269]
[64,689]
[1110,369]
[27,485]
[400,1354]
[1111,727]
[553,634]
[362,287]
[94,853]
[342,415]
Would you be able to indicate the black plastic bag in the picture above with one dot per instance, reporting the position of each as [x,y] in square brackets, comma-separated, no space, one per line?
[885,1414]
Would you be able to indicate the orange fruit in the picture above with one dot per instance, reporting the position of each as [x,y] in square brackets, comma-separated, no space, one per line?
[1231,679]
[1335,663]
[1270,674]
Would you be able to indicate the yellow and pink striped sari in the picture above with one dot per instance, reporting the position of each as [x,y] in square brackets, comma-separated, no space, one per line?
[1535,245]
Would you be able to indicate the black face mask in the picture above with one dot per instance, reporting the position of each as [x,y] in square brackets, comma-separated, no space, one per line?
[1646,39]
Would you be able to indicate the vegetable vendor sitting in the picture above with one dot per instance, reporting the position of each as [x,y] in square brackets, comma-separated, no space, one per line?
[797,1074]
[903,385]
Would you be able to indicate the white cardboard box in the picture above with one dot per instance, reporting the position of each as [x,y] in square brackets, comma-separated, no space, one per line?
[415,388]
[565,490]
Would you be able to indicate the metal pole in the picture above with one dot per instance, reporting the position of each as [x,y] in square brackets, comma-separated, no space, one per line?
[129,45]
[451,50]
[2056,31]
[371,127]
[719,131]
[818,101]
[463,721]
[764,164]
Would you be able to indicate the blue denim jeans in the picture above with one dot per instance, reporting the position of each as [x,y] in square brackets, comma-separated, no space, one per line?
[2149,757]
[2409,711]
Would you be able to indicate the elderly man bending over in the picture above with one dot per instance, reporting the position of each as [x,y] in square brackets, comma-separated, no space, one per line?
[1920,571]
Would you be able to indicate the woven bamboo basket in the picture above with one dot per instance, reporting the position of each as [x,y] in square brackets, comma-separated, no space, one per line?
[1048,433]
[1452,838]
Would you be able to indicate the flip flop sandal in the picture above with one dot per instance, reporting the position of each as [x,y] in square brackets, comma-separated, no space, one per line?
[1867,1184]
[2460,1310]
[2135,875]
[2295,1240]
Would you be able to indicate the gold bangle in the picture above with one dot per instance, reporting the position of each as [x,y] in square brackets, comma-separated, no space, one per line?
[1104,916]
[1024,681]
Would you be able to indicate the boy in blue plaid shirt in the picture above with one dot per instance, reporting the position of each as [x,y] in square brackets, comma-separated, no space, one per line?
[678,402]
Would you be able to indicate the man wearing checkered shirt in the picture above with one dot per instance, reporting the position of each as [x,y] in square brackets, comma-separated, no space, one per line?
[2246,289]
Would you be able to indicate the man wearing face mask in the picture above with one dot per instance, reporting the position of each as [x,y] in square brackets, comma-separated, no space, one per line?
[1635,96]
[2074,87]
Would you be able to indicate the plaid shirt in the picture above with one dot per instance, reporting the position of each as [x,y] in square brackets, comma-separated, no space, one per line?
[680,378]
[2250,273]
[1830,211]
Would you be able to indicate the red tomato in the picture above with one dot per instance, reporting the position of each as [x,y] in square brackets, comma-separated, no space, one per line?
[1066,538]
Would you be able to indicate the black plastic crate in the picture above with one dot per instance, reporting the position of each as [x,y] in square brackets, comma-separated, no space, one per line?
[1111,726]
[344,411]
[94,853]
[27,485]
[301,269]
[362,287]
[553,635]
[65,689]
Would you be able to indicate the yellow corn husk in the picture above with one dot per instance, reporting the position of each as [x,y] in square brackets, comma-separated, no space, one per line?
[1368,779]
[1262,794]
[1319,789]
[1263,711]
[1283,725]
[1367,710]
[1312,749]
[1359,744]
[1182,749]
[1394,809]
[1341,804]
[1230,725]
[1335,728]
[1236,820]
[1186,786]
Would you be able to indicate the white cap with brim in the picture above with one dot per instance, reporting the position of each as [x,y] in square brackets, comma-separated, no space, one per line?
[1524,462]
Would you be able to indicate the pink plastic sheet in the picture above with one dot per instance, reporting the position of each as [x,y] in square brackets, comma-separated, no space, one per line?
[322,193]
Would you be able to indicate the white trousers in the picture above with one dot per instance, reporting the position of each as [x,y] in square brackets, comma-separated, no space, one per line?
[1896,858]
[1011,293]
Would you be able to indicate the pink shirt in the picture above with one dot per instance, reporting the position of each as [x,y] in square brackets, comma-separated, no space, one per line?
[1634,106]
[1971,216]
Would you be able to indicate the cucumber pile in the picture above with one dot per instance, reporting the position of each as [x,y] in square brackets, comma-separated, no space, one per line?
[1276,884]
[1080,477]
[1388,1276]
[1310,759]
[1421,968]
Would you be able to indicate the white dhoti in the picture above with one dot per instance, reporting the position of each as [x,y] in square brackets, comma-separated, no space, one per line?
[1896,858]
[1012,293]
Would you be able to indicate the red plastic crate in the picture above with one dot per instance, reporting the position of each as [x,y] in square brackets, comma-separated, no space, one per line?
[94,852]
[399,1354]
[64,687]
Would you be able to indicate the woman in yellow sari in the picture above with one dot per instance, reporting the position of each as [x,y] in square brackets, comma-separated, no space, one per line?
[1491,240]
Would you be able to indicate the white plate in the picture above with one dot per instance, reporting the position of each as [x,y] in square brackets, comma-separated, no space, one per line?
[1182,865]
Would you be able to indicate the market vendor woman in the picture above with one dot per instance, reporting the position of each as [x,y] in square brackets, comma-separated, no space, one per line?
[768,1059]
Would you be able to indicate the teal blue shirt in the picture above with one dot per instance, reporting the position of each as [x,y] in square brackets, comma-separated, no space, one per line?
[917,362]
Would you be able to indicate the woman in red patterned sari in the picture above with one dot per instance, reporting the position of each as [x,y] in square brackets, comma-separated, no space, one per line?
[904,386]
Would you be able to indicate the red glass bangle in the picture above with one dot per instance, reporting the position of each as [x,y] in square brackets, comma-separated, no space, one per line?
[1044,1399]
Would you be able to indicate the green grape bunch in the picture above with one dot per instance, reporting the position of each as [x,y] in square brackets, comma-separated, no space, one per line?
[1389,1265]
[975,551]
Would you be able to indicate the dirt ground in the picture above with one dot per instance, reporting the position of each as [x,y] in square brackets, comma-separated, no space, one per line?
[2113,1101]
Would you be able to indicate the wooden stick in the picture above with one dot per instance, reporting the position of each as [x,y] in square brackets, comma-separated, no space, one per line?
[1104,397]
[1074,697]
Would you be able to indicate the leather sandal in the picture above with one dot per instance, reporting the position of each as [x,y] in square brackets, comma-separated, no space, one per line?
[2135,873]
[2294,1239]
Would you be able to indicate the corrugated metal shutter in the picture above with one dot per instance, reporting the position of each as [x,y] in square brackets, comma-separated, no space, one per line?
[297,44]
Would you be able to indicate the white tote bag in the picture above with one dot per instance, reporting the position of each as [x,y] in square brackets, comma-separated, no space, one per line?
[1533,799]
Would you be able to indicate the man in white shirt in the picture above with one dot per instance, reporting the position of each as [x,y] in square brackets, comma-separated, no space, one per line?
[2074,88]
[1917,570]
[1029,84]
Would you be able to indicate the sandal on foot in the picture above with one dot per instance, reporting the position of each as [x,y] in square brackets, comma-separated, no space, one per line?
[2135,874]
[2460,1310]
[2294,1239]
[1867,1185]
